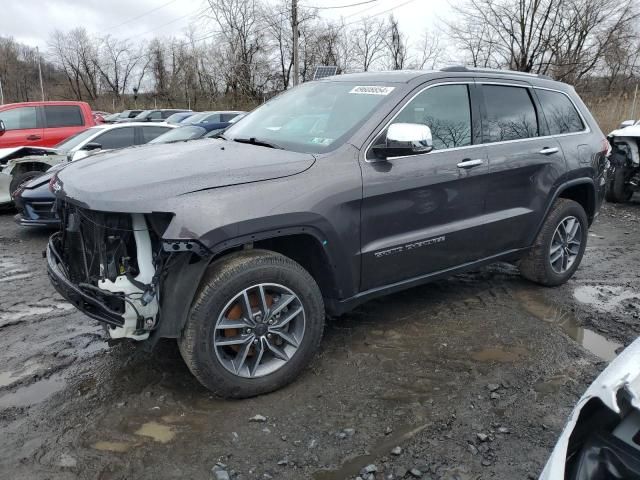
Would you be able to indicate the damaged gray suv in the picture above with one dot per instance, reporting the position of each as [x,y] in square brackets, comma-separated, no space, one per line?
[332,193]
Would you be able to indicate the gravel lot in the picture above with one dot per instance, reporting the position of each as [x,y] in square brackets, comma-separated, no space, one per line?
[467,378]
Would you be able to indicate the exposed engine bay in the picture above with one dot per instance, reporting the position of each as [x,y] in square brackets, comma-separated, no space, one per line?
[624,173]
[110,259]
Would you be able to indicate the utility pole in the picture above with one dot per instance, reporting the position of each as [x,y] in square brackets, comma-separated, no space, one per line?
[40,73]
[1,94]
[294,25]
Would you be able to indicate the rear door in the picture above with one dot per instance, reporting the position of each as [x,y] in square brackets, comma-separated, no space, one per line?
[423,213]
[146,133]
[115,138]
[524,163]
[23,127]
[61,121]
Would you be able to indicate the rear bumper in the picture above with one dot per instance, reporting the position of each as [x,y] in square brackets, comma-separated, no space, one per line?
[83,301]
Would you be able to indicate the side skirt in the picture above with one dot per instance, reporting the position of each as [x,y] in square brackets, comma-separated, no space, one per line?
[339,307]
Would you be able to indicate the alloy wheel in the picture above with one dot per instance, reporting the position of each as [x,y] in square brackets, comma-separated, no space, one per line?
[259,330]
[565,244]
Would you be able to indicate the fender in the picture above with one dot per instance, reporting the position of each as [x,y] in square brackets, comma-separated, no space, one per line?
[189,269]
[562,187]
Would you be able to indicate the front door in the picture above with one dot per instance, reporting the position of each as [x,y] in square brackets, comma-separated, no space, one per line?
[424,213]
[22,127]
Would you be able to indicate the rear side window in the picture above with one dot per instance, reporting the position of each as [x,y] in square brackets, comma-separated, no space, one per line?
[19,118]
[510,113]
[157,115]
[149,133]
[445,110]
[560,112]
[63,116]
[116,138]
[227,117]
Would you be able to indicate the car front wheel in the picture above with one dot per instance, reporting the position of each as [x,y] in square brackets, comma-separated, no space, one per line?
[255,324]
[559,246]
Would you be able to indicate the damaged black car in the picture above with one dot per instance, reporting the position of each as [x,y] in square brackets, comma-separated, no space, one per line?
[332,193]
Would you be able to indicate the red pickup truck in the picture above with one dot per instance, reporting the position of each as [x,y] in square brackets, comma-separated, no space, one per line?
[42,124]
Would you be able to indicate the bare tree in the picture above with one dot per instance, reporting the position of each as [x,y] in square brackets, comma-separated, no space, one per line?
[396,45]
[369,41]
[429,51]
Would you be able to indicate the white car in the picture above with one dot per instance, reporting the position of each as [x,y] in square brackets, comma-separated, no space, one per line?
[602,437]
[21,164]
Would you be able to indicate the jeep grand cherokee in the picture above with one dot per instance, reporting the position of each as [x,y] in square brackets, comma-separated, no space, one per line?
[334,192]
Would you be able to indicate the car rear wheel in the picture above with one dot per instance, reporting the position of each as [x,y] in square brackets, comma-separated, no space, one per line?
[19,180]
[255,324]
[559,246]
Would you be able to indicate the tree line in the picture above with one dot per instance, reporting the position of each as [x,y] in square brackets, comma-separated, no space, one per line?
[237,53]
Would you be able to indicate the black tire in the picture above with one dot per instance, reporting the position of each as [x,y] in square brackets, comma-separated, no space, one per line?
[618,191]
[536,265]
[224,279]
[18,180]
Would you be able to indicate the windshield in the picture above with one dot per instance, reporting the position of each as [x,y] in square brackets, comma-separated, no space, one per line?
[75,140]
[312,118]
[180,134]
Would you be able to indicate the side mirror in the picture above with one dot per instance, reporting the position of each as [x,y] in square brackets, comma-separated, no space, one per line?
[404,139]
[627,123]
[92,146]
[2,127]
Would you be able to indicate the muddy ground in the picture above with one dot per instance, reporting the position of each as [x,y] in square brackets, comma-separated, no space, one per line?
[472,378]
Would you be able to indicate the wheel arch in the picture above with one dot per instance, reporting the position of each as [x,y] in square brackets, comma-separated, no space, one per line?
[303,244]
[28,166]
[580,190]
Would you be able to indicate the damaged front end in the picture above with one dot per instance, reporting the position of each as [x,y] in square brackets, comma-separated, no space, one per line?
[624,157]
[602,438]
[111,266]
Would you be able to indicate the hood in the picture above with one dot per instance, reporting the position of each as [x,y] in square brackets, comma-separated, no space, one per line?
[630,131]
[140,179]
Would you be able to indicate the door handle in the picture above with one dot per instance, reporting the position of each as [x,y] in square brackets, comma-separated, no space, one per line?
[470,163]
[34,137]
[548,151]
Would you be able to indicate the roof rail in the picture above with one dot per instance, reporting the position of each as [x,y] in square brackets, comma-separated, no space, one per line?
[462,68]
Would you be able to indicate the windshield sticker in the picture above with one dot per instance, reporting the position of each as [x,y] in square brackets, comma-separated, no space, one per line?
[372,90]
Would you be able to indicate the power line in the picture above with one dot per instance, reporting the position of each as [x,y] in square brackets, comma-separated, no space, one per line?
[341,6]
[195,13]
[144,14]
[376,14]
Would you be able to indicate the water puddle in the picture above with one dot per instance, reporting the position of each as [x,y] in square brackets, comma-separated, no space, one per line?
[9,378]
[157,431]
[33,393]
[603,297]
[118,447]
[535,303]
[499,354]
[352,466]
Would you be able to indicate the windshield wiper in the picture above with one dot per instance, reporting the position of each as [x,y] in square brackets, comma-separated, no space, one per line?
[256,141]
[220,135]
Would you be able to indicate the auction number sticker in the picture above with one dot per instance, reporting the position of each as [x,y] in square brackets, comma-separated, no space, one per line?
[372,90]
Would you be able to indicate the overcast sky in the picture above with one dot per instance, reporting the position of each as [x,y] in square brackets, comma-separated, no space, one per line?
[32,21]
